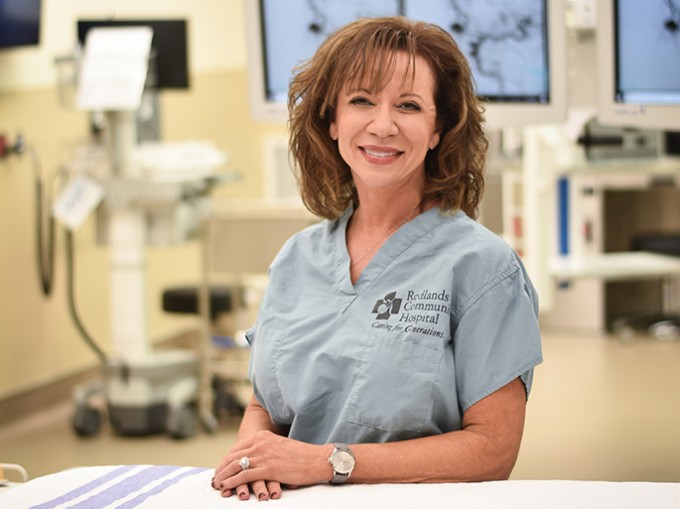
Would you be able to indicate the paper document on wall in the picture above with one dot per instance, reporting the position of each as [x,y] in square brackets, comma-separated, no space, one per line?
[113,69]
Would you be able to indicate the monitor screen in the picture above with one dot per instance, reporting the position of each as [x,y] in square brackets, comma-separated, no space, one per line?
[169,47]
[307,24]
[639,62]
[19,23]
[506,44]
[647,42]
[516,49]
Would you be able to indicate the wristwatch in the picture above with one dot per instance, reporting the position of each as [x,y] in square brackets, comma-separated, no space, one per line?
[342,460]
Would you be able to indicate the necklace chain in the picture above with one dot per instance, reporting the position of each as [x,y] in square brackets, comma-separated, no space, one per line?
[386,236]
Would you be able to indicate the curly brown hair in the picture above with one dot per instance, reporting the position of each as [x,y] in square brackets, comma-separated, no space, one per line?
[367,47]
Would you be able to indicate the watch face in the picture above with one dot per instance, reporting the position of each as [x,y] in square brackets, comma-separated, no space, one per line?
[343,462]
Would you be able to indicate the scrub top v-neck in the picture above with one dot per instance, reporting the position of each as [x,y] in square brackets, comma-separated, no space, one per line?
[442,316]
[402,239]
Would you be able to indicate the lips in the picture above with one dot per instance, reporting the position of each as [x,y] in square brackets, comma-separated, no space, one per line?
[380,153]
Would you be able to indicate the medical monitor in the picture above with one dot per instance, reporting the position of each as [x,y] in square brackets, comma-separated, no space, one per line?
[281,35]
[19,23]
[639,63]
[517,49]
[168,47]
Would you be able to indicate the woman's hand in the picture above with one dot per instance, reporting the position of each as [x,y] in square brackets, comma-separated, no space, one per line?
[274,461]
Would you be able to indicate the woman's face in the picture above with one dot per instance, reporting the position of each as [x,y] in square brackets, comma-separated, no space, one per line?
[384,135]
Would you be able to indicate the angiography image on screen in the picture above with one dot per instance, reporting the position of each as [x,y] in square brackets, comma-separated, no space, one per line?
[516,49]
[504,40]
[648,52]
[294,29]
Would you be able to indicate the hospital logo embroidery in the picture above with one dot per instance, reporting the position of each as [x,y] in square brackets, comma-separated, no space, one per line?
[386,307]
[415,313]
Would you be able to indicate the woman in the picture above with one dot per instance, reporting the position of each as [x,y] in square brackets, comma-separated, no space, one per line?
[399,326]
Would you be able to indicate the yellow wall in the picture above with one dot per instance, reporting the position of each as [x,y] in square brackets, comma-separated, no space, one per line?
[38,342]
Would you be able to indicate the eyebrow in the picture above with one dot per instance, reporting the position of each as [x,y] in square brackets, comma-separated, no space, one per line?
[413,94]
[367,91]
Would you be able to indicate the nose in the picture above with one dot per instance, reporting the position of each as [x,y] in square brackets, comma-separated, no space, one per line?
[382,122]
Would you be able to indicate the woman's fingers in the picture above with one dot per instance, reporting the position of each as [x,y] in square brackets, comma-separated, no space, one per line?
[260,490]
[242,492]
[266,456]
[274,488]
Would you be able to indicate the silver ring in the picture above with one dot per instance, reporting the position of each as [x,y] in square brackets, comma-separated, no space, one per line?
[244,463]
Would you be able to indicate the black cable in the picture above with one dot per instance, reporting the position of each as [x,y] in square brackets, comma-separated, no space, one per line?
[45,261]
[70,284]
[44,247]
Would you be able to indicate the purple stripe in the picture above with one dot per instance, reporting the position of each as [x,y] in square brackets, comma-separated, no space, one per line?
[161,487]
[82,490]
[126,486]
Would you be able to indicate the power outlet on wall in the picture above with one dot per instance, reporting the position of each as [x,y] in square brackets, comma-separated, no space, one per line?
[9,147]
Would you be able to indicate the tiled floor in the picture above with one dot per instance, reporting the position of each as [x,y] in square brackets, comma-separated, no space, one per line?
[600,409]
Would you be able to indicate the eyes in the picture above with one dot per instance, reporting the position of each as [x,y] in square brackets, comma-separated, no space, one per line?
[406,106]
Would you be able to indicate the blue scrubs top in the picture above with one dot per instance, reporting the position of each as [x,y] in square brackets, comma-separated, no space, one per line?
[443,315]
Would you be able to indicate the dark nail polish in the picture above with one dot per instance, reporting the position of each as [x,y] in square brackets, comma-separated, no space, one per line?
[262,496]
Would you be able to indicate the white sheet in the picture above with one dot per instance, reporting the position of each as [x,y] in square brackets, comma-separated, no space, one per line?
[166,487]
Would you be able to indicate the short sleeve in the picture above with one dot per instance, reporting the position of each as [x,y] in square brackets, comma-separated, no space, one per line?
[250,335]
[498,337]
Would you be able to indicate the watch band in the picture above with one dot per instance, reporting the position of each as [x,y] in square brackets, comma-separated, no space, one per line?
[340,477]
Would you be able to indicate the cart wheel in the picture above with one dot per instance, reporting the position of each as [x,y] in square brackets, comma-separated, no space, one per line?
[87,421]
[182,422]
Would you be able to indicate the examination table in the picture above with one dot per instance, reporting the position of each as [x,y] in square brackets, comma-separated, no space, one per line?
[167,487]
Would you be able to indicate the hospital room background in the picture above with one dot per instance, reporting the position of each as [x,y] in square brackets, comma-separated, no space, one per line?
[572,190]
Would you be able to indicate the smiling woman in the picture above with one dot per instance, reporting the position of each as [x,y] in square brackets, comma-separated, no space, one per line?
[384,135]
[365,57]
[397,339]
